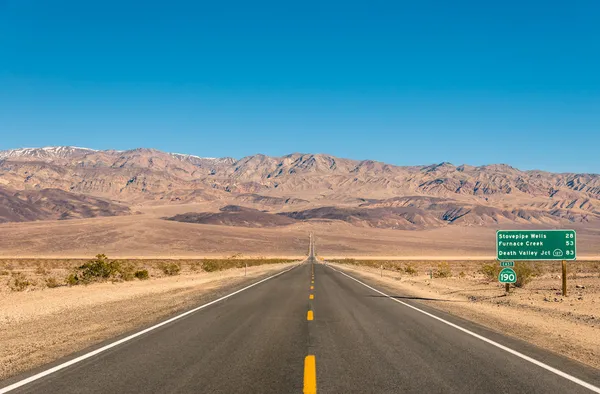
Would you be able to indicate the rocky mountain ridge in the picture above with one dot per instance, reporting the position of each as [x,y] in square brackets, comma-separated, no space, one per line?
[362,192]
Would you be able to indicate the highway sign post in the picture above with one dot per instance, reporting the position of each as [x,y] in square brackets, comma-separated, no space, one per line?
[507,276]
[551,245]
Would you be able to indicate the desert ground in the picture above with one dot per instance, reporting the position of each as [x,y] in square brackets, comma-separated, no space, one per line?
[536,312]
[147,235]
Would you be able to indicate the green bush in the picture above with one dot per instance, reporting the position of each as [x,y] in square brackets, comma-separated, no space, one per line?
[101,269]
[142,274]
[442,271]
[170,269]
[525,273]
[72,279]
[490,271]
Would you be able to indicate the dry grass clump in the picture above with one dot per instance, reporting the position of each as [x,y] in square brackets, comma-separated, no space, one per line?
[19,282]
[170,268]
[52,282]
[410,270]
[442,271]
[490,271]
[525,273]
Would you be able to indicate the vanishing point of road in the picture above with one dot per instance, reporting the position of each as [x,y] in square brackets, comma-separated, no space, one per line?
[311,328]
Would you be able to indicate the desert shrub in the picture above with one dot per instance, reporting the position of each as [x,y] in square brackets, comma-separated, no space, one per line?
[100,269]
[210,265]
[52,282]
[462,274]
[72,279]
[490,271]
[195,266]
[525,273]
[442,271]
[410,270]
[40,270]
[125,270]
[170,269]
[18,282]
[142,274]
[4,273]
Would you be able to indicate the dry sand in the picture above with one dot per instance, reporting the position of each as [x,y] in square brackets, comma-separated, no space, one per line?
[147,235]
[40,326]
[536,313]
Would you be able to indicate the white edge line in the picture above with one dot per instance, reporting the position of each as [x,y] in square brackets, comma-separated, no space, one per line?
[493,343]
[128,338]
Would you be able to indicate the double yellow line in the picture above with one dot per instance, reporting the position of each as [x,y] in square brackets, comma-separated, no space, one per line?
[310,362]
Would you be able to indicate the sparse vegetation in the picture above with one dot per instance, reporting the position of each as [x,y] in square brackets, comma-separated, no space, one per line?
[210,265]
[22,274]
[18,282]
[442,271]
[410,270]
[525,273]
[462,274]
[40,270]
[170,269]
[490,271]
[52,282]
[125,271]
[142,274]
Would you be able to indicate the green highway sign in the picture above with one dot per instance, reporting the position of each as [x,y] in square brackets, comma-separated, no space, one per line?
[536,245]
[507,264]
[507,275]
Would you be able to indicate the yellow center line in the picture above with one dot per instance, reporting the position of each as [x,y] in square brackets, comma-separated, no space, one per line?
[310,375]
[310,316]
[311,297]
[312,287]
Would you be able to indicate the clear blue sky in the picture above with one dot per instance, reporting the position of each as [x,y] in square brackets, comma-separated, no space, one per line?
[405,82]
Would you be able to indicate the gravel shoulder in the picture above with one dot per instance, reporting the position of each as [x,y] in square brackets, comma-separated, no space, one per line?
[38,327]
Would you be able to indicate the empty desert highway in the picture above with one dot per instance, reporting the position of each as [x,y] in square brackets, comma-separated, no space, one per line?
[258,340]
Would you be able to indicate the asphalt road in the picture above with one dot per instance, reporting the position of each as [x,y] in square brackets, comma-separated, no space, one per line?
[363,342]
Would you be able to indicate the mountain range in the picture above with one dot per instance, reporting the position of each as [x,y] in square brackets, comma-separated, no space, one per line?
[69,182]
